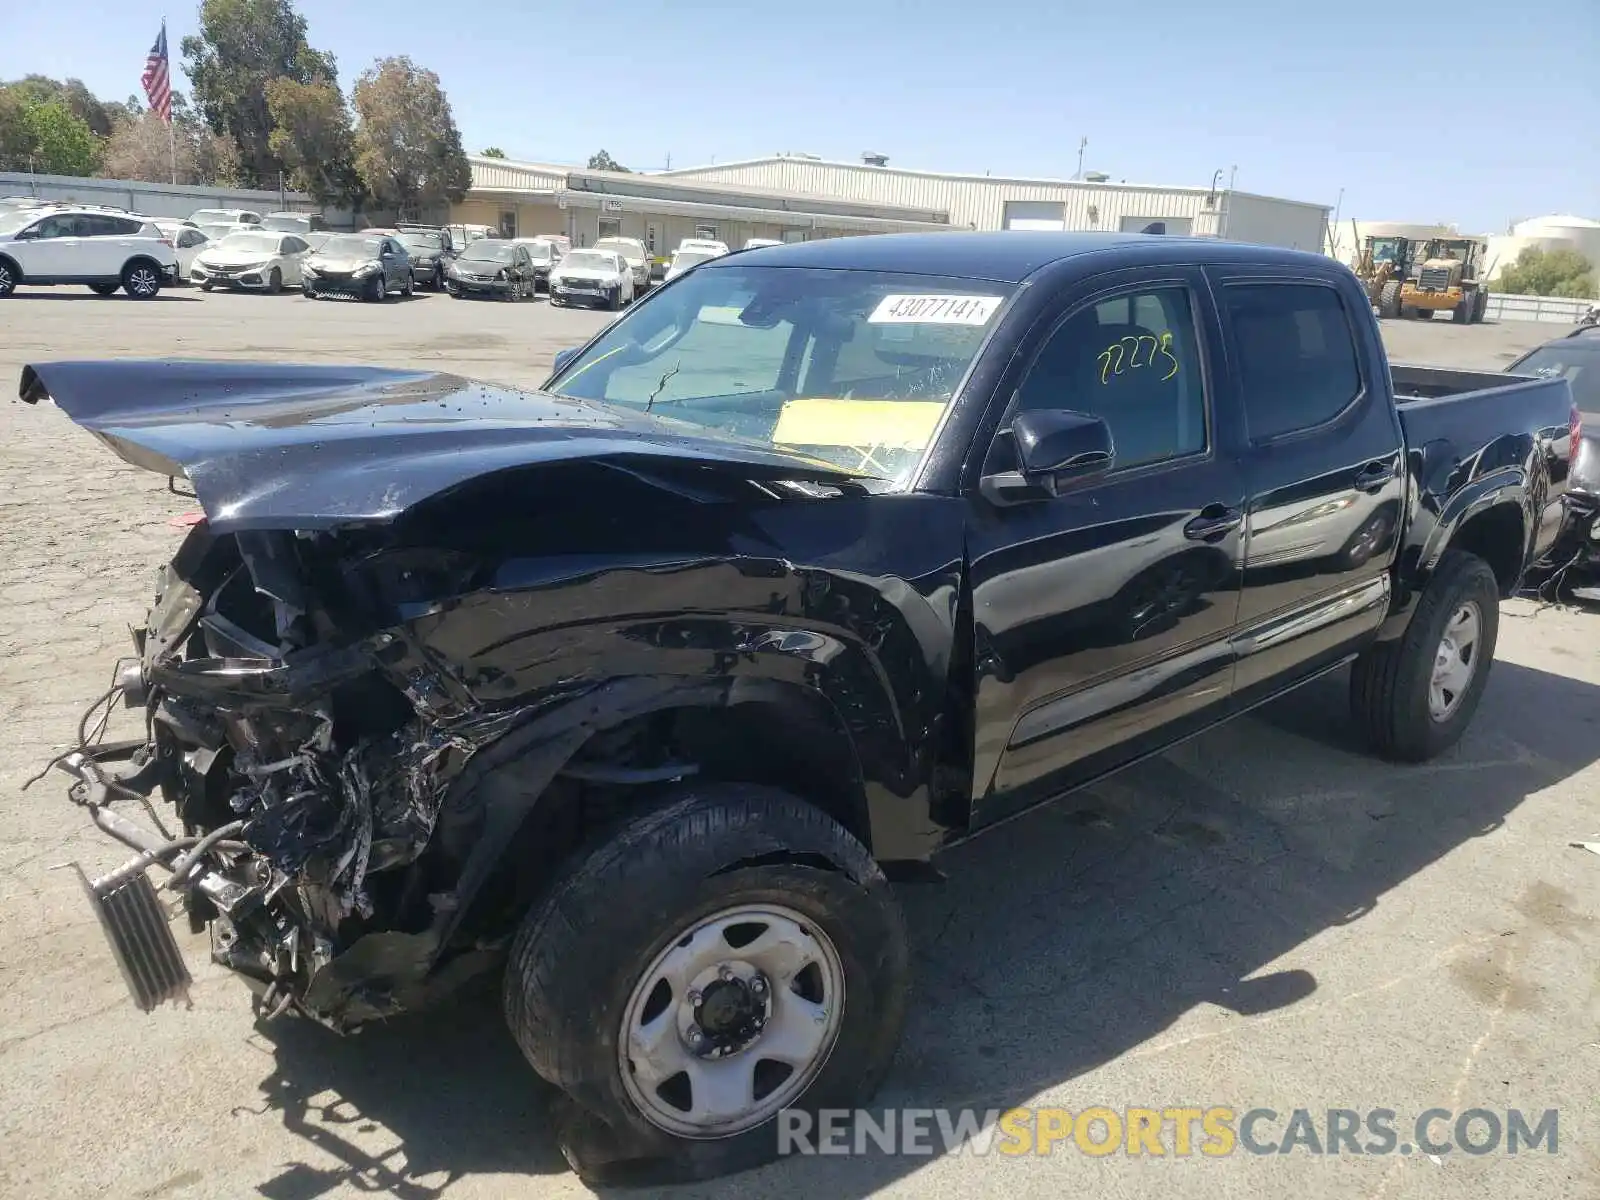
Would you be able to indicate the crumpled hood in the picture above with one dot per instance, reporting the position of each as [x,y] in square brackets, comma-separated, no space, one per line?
[270,446]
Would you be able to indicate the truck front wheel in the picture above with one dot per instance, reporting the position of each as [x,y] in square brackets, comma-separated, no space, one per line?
[1415,696]
[1389,300]
[727,955]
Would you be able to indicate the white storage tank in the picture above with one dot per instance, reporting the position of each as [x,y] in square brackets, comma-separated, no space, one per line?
[1559,232]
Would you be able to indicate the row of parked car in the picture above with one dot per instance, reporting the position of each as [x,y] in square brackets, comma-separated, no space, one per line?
[109,249]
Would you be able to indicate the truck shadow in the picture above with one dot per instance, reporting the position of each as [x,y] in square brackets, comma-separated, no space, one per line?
[1068,938]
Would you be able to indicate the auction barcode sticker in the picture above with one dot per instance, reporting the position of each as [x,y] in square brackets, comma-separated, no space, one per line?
[935,310]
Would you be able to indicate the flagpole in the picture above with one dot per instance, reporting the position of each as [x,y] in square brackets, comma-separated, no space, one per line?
[172,129]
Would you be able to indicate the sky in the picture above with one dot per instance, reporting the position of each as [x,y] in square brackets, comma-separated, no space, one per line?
[1471,113]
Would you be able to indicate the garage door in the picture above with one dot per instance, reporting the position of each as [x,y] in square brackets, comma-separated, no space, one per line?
[1034,214]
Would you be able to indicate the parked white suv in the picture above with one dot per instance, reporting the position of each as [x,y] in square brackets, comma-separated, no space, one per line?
[78,245]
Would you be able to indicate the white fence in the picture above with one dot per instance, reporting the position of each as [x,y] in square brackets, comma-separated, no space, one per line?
[1557,310]
[160,199]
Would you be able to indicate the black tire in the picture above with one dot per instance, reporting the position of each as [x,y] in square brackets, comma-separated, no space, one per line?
[555,301]
[379,289]
[141,279]
[206,286]
[104,289]
[614,300]
[10,274]
[274,281]
[1480,307]
[1389,300]
[1389,682]
[1462,314]
[410,288]
[438,281]
[583,947]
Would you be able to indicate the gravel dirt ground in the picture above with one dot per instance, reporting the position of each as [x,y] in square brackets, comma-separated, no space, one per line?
[1261,918]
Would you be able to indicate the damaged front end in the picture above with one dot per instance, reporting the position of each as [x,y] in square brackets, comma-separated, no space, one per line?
[307,769]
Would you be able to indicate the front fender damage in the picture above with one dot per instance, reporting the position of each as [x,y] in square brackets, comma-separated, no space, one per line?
[312,773]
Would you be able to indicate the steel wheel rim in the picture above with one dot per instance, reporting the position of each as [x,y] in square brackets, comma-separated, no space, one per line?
[1455,661]
[143,281]
[731,1022]
[5,279]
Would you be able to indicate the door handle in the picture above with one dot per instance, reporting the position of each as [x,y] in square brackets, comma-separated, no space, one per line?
[1373,476]
[1214,521]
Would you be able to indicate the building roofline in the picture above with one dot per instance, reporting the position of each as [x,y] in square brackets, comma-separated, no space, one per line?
[1023,180]
[732,191]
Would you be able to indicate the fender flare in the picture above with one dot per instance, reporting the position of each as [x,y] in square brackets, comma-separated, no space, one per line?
[1509,487]
[509,779]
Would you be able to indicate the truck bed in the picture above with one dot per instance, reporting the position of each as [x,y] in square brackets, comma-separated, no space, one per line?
[1412,383]
[1470,409]
[1476,424]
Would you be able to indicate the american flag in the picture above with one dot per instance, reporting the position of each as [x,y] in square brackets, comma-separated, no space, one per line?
[157,78]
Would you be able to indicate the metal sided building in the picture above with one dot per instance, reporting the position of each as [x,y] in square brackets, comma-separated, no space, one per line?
[523,199]
[998,202]
[795,198]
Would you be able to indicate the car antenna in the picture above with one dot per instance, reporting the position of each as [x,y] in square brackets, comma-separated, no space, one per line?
[662,384]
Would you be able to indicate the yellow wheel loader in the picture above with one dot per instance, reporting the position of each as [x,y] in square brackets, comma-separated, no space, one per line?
[1382,266]
[1443,277]
[1408,278]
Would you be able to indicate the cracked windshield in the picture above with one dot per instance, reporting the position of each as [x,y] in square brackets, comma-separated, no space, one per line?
[853,367]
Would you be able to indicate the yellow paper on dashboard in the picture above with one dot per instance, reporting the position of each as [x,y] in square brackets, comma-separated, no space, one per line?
[889,424]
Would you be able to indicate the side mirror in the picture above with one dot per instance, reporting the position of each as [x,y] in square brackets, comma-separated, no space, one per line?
[1056,450]
[563,357]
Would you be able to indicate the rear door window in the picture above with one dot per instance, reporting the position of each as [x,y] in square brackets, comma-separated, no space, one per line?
[1294,354]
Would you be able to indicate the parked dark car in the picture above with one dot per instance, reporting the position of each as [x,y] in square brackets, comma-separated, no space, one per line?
[495,267]
[431,255]
[1574,559]
[366,266]
[821,560]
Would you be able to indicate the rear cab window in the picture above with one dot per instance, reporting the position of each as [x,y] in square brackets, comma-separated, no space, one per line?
[1295,355]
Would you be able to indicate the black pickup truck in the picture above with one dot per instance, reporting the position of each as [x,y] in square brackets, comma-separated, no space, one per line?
[644,685]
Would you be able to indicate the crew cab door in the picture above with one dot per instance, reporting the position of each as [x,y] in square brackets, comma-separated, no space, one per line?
[1102,615]
[1323,466]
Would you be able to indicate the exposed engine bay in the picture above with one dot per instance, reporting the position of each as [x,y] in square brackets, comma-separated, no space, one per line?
[308,772]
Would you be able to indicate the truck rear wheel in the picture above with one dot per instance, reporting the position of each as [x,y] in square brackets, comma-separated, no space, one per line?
[729,954]
[1414,697]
